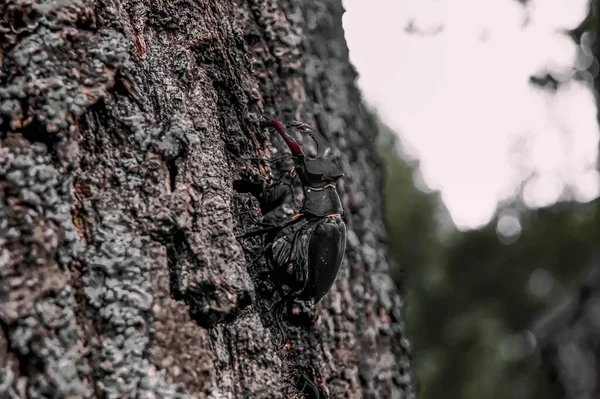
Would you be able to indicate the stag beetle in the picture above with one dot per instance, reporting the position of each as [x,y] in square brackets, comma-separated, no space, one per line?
[306,258]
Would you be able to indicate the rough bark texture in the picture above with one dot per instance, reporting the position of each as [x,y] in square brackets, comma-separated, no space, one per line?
[122,191]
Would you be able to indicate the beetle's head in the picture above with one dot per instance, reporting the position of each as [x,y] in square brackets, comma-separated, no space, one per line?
[316,171]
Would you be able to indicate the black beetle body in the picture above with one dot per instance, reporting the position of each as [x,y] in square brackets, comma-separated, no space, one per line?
[307,259]
[307,252]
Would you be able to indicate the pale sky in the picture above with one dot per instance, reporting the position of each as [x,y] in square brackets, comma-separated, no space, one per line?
[462,102]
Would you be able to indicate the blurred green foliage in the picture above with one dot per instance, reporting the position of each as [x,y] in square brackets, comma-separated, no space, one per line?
[472,296]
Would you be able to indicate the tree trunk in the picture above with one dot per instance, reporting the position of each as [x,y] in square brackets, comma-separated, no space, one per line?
[122,190]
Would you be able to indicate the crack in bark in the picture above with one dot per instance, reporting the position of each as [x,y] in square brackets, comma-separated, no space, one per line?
[173,170]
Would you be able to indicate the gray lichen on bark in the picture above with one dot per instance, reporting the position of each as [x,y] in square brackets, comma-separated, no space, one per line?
[122,190]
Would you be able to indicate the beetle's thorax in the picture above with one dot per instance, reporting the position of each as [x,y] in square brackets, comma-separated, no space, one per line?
[318,172]
[320,202]
[318,177]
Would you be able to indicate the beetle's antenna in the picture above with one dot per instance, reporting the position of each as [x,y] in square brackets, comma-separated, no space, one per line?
[269,160]
[269,229]
[311,384]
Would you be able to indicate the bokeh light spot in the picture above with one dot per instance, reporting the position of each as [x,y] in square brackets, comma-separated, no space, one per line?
[508,228]
[540,282]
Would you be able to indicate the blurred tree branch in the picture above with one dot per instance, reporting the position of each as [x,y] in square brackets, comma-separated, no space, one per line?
[569,333]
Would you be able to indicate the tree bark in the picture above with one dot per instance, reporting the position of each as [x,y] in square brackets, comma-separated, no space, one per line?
[122,190]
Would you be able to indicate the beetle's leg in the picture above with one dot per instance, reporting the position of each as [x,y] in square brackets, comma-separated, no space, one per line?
[258,232]
[255,220]
[275,193]
[281,256]
[311,384]
[271,200]
[273,196]
[270,229]
[270,160]
[297,270]
[253,261]
[279,309]
[280,179]
[303,386]
[279,319]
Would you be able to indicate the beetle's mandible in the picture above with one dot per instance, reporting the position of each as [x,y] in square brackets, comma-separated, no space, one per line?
[305,253]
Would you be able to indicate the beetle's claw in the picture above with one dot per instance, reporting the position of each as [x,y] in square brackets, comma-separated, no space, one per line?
[300,125]
[308,382]
[283,336]
[278,320]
